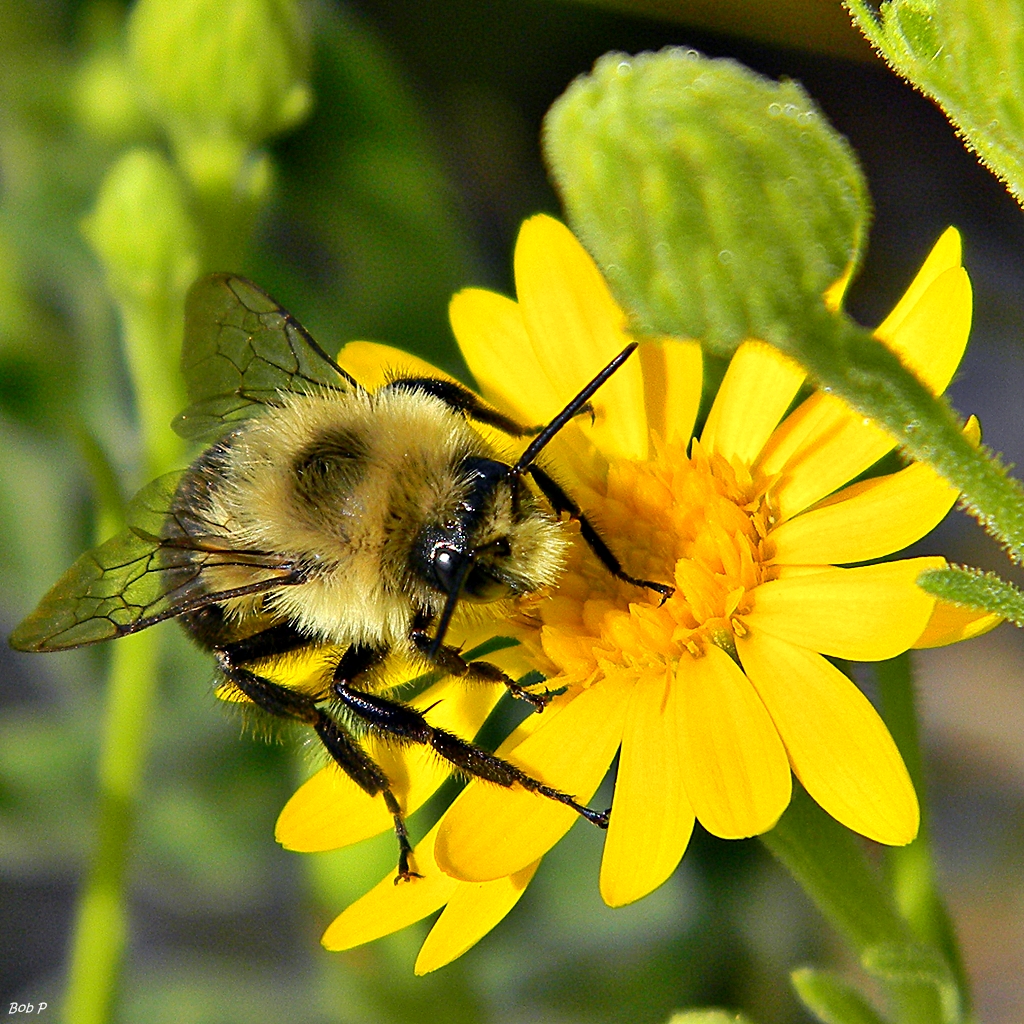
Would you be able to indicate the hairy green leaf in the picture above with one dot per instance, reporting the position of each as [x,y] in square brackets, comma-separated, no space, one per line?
[968,56]
[973,588]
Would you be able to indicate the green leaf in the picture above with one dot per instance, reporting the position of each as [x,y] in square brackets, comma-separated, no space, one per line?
[911,963]
[720,204]
[967,56]
[973,588]
[831,999]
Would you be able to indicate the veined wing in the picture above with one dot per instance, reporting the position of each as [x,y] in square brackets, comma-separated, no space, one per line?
[241,351]
[156,569]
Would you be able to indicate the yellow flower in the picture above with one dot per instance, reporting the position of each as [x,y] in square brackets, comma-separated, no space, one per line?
[715,696]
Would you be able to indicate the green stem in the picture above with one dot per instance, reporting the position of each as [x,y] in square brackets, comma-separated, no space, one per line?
[152,342]
[100,929]
[846,359]
[829,863]
[912,867]
[151,336]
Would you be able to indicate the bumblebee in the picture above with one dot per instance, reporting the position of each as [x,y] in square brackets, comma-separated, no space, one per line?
[326,515]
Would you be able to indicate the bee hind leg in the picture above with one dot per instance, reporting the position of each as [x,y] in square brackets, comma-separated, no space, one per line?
[283,702]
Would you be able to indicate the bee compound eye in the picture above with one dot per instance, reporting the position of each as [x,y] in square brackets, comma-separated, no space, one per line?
[483,586]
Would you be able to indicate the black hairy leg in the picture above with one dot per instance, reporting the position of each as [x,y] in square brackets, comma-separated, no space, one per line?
[283,702]
[562,502]
[391,718]
[460,399]
[450,660]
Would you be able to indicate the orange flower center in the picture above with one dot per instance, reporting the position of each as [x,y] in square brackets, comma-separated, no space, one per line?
[698,522]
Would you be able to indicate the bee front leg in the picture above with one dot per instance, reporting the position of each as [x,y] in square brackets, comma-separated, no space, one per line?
[561,502]
[450,660]
[283,702]
[391,718]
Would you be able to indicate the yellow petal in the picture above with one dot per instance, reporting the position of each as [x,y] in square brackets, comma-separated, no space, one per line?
[329,810]
[673,378]
[651,818]
[757,389]
[867,520]
[864,614]
[836,291]
[473,910]
[500,355]
[951,623]
[819,447]
[373,364]
[839,748]
[871,518]
[493,339]
[576,328]
[490,831]
[824,443]
[931,338]
[388,907]
[945,255]
[734,765]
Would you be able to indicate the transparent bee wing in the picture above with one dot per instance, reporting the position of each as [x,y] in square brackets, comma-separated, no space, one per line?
[241,351]
[158,568]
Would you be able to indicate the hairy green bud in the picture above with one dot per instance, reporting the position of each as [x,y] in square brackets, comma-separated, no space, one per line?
[224,68]
[141,229]
[720,205]
[968,56]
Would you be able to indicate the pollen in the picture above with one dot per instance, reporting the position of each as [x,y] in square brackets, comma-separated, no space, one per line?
[697,521]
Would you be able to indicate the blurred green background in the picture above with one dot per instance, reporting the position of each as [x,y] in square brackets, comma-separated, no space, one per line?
[407,182]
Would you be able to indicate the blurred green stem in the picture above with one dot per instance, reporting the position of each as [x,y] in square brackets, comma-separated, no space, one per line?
[101,926]
[152,336]
[151,329]
[912,868]
[230,184]
[830,864]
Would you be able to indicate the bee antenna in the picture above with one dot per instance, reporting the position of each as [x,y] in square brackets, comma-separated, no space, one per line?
[449,608]
[572,409]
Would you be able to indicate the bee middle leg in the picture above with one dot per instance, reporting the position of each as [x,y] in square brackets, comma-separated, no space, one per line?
[284,702]
[404,723]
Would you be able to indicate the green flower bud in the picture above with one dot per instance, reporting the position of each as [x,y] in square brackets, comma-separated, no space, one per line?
[143,233]
[141,230]
[106,100]
[720,205]
[235,68]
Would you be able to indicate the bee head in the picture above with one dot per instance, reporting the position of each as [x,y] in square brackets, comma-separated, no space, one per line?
[498,543]
[482,551]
